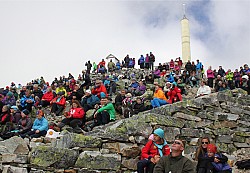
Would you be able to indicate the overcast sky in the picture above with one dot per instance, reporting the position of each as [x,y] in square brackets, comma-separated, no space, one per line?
[52,38]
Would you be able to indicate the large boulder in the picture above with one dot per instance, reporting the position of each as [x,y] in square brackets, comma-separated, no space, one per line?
[96,160]
[47,156]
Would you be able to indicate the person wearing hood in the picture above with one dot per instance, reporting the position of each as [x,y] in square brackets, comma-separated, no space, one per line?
[5,121]
[39,128]
[9,99]
[58,103]
[153,151]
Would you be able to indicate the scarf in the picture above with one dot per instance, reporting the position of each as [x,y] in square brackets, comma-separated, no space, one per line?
[160,146]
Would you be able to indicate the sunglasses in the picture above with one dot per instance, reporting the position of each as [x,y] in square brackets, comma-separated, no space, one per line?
[204,142]
[178,143]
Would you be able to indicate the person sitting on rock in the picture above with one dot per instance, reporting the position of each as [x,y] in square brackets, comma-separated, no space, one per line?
[138,106]
[106,113]
[89,101]
[203,89]
[27,101]
[47,97]
[61,88]
[16,114]
[194,79]
[140,89]
[39,128]
[9,99]
[133,86]
[118,101]
[76,94]
[99,88]
[152,152]
[159,97]
[58,103]
[24,124]
[74,118]
[174,94]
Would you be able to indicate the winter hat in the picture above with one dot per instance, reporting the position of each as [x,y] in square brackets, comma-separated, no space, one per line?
[212,148]
[245,77]
[26,112]
[102,95]
[159,132]
[88,91]
[10,94]
[14,107]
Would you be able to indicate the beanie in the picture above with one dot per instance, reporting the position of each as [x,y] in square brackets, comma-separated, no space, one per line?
[26,112]
[10,94]
[212,148]
[159,132]
[102,95]
[14,107]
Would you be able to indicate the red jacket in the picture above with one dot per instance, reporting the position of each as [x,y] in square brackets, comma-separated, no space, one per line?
[97,91]
[48,96]
[150,150]
[76,113]
[6,118]
[62,101]
[174,94]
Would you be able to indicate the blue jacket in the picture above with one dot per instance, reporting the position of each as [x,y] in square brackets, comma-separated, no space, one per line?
[92,100]
[24,98]
[134,85]
[199,66]
[141,60]
[40,124]
[170,79]
[118,65]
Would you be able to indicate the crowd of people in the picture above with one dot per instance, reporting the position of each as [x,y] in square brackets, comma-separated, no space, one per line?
[148,88]
[151,87]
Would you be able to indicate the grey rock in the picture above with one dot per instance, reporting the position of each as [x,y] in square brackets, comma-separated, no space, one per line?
[96,160]
[190,132]
[15,145]
[241,145]
[186,116]
[225,139]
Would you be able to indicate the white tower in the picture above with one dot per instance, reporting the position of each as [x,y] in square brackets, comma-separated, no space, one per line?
[185,38]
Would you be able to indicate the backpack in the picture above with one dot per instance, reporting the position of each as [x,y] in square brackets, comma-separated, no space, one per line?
[243,164]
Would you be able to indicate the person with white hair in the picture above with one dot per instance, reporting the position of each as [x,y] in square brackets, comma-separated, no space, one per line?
[203,89]
[246,83]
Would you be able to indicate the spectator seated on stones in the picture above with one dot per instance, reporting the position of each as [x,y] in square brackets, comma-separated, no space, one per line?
[39,128]
[76,94]
[118,100]
[169,77]
[152,152]
[47,97]
[1,103]
[9,99]
[203,89]
[110,85]
[61,88]
[99,88]
[175,162]
[127,105]
[163,73]
[223,86]
[185,77]
[159,97]
[181,86]
[218,82]
[72,84]
[138,106]
[174,94]
[194,79]
[149,79]
[75,118]
[157,73]
[246,69]
[58,103]
[133,86]
[6,122]
[36,92]
[141,89]
[201,155]
[24,124]
[16,114]
[27,101]
[6,90]
[89,101]
[218,162]
[13,90]
[106,113]
[245,85]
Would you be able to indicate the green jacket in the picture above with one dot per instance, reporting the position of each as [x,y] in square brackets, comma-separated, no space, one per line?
[179,164]
[110,109]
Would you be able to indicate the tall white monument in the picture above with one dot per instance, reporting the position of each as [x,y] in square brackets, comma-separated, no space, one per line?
[185,38]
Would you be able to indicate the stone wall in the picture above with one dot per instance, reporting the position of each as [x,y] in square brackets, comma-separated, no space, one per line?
[223,116]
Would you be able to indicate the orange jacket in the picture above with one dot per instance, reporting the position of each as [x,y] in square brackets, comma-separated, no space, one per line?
[160,94]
